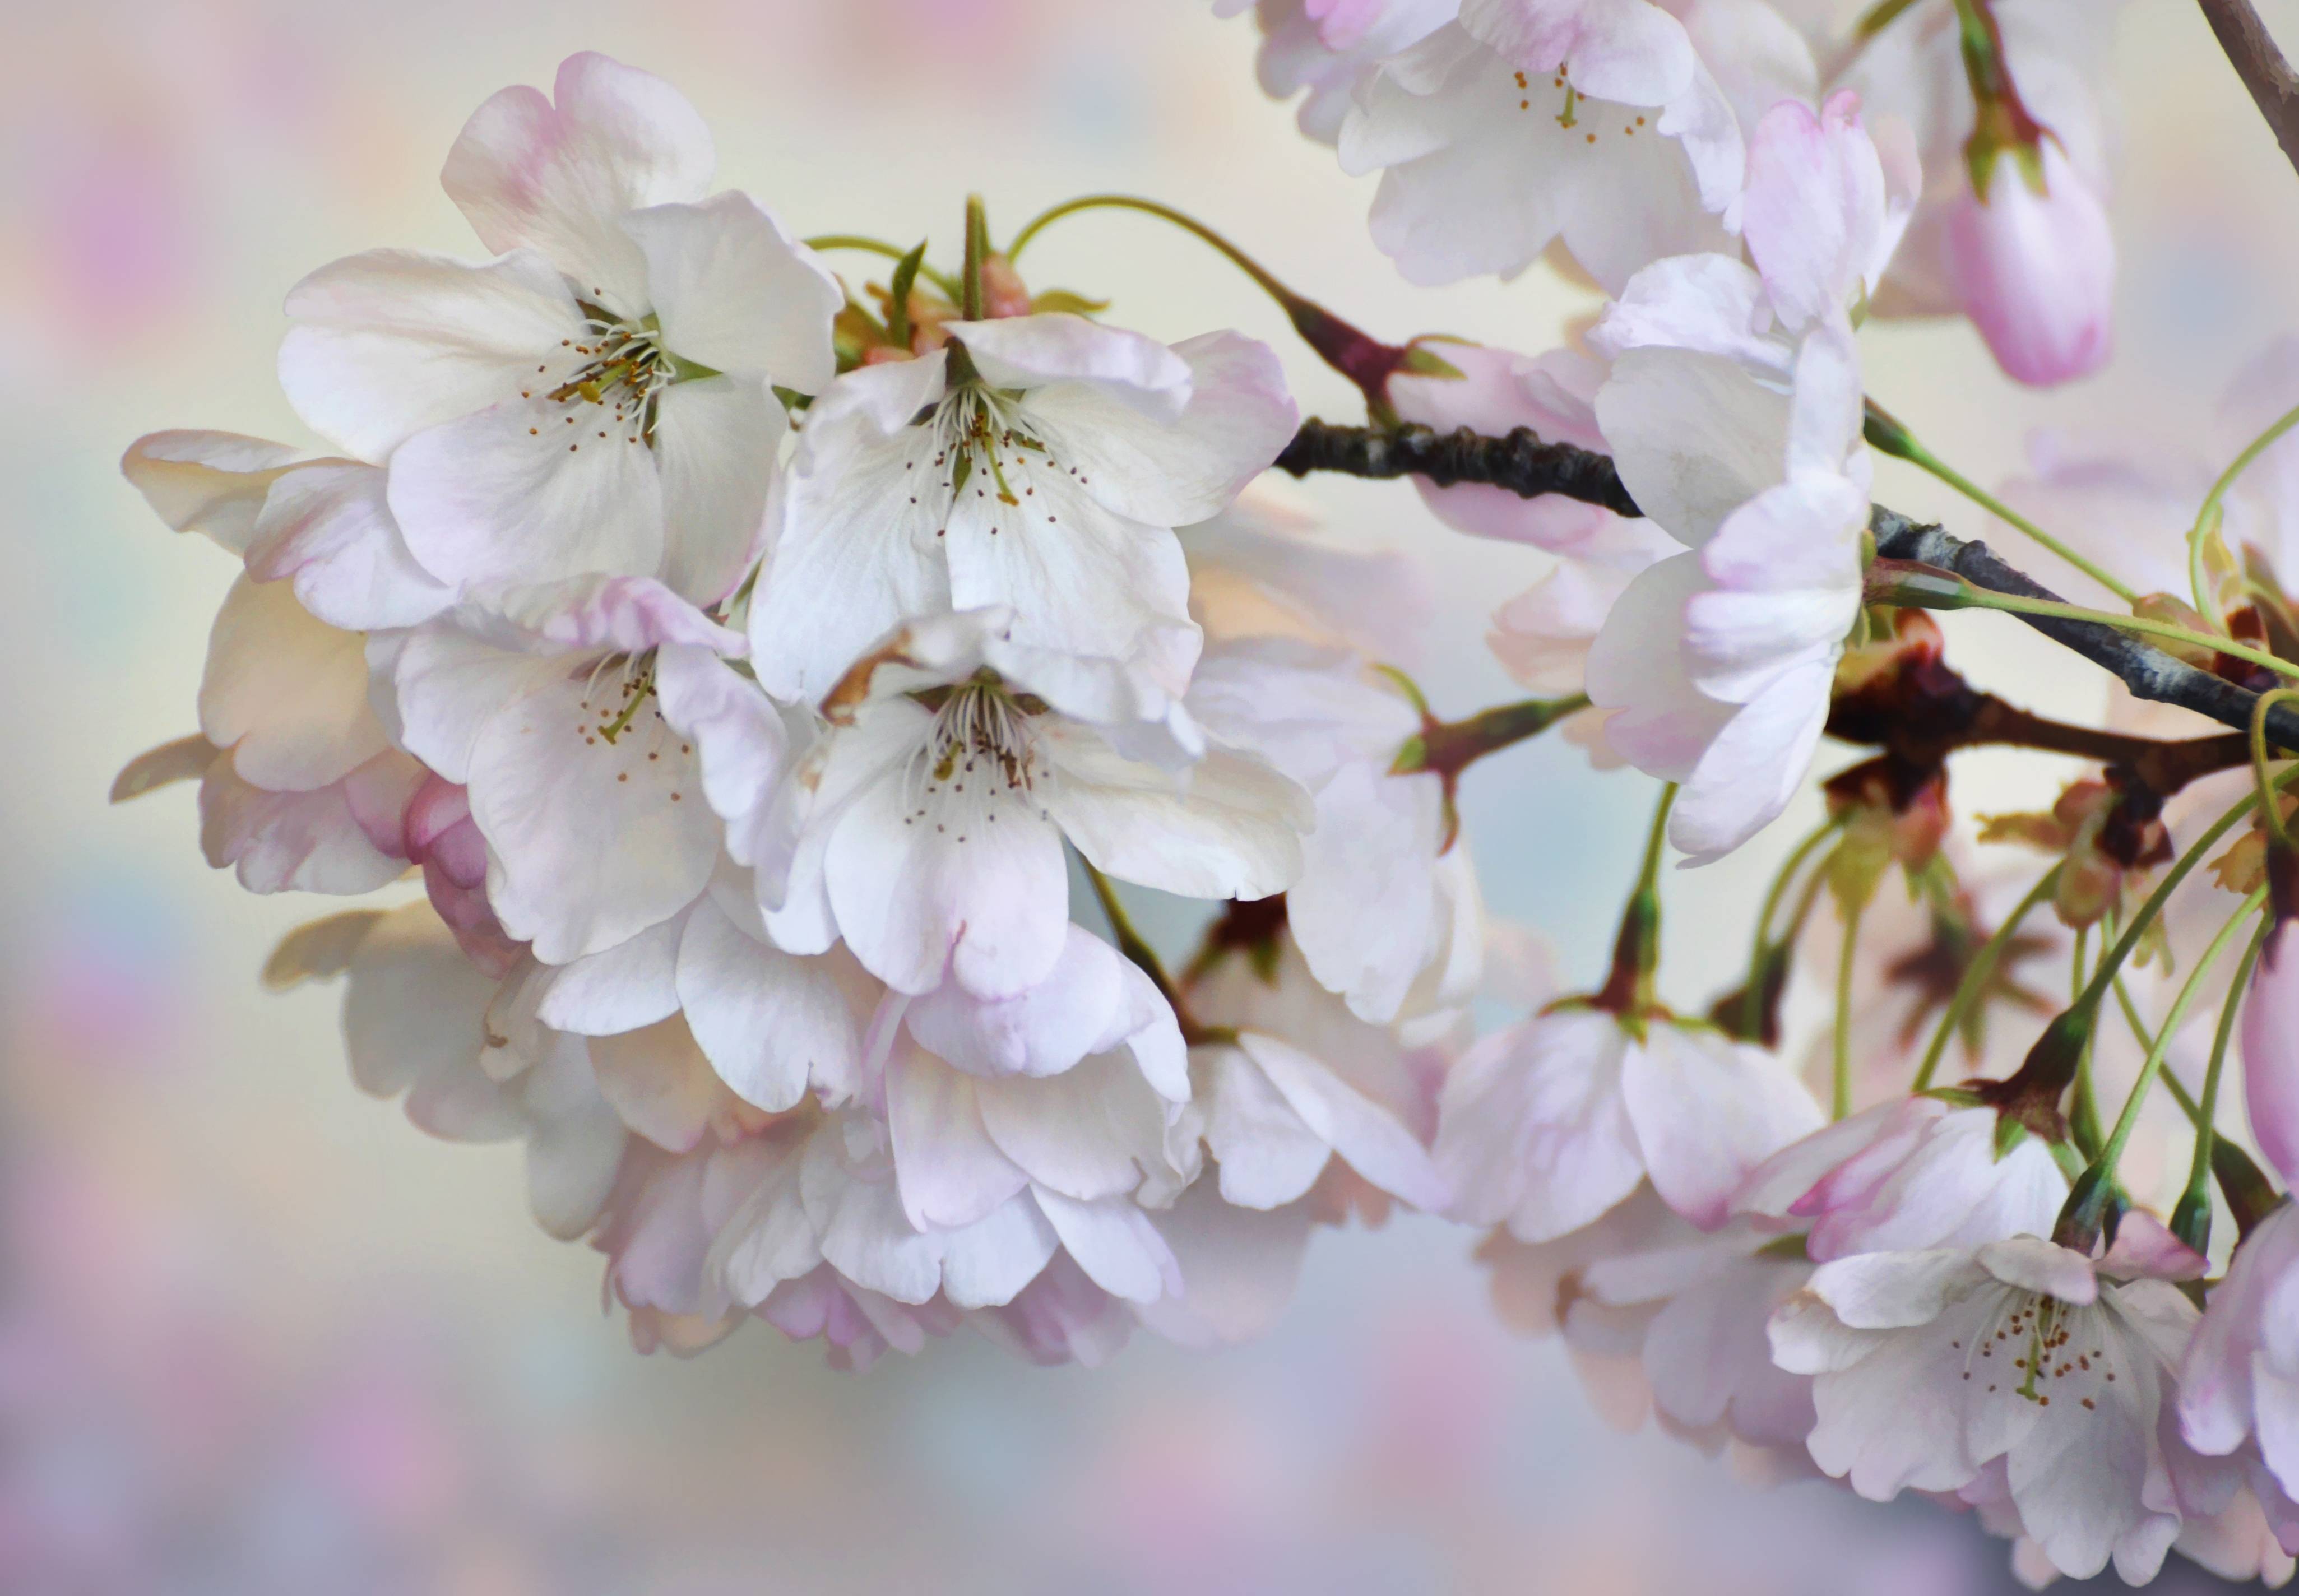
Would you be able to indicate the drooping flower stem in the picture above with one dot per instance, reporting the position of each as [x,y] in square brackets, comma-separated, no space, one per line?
[2272,814]
[2076,1216]
[2249,1194]
[2191,1218]
[2209,514]
[1451,747]
[1839,1103]
[1362,359]
[1768,958]
[1629,990]
[1978,974]
[1886,432]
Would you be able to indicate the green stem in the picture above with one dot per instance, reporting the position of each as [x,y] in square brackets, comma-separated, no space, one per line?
[977,247]
[1886,431]
[1923,588]
[1840,1089]
[1451,747]
[2191,1216]
[1629,990]
[2272,814]
[2208,515]
[1760,952]
[2189,990]
[1978,974]
[892,252]
[1131,942]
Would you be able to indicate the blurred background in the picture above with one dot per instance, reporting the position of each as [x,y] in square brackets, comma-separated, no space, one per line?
[258,1335]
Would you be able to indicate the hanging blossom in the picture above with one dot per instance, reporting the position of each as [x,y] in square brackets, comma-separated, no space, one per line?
[1328,47]
[598,398]
[1598,123]
[1768,490]
[1039,462]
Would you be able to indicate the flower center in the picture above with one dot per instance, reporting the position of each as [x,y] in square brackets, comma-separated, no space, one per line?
[622,370]
[991,451]
[2042,1348]
[977,760]
[1569,113]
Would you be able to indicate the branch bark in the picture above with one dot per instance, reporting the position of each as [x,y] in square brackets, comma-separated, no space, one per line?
[2274,87]
[1526,465]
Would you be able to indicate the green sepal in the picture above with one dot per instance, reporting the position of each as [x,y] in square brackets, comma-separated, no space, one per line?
[2009,1134]
[1420,361]
[1064,301]
[898,296]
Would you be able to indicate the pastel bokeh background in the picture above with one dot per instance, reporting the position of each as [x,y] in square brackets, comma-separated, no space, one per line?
[257,1334]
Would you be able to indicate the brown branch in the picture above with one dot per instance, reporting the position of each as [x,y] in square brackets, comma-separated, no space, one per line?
[2250,48]
[1524,464]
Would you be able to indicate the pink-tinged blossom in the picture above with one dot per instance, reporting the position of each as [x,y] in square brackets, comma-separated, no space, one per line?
[1263,567]
[1546,1125]
[1596,122]
[600,397]
[2033,261]
[930,838]
[1905,1176]
[1328,47]
[2239,1386]
[568,712]
[1928,1366]
[1046,477]
[2270,1051]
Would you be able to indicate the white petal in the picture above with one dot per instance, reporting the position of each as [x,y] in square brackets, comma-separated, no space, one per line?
[1707,1111]
[1376,1145]
[1087,1133]
[326,525]
[413,1007]
[1041,1030]
[1115,1244]
[769,1022]
[212,482]
[659,1083]
[1268,1155]
[285,692]
[559,177]
[1695,435]
[715,443]
[733,291]
[951,1172]
[1239,1267]
[988,1262]
[618,989]
[392,342]
[864,1233]
[1232,829]
[290,842]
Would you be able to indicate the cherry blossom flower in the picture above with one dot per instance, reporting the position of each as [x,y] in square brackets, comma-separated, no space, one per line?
[1037,462]
[1550,1123]
[2271,1065]
[926,827]
[2033,261]
[1597,122]
[1906,1176]
[1929,1365]
[1328,47]
[600,397]
[2239,1385]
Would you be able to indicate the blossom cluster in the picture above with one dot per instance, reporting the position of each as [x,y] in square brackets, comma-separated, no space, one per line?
[781,689]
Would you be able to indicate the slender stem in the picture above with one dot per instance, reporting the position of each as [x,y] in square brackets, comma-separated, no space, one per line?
[2274,87]
[2248,1192]
[1628,989]
[1451,747]
[1187,223]
[1979,973]
[892,252]
[1760,952]
[1841,1077]
[1885,431]
[2083,1108]
[977,246]
[2189,990]
[2209,514]
[1131,943]
[1950,592]
[2272,813]
[2191,1216]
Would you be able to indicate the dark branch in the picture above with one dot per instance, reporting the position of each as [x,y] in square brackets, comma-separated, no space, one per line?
[2273,86]
[1519,462]
[1523,463]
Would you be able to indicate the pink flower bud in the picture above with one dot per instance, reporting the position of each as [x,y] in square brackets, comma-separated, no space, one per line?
[2270,1052]
[2036,271]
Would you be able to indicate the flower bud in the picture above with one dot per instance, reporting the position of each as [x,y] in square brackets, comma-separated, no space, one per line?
[2034,263]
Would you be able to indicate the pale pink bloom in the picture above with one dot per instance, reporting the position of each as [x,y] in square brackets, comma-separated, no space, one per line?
[931,838]
[1927,1366]
[1060,1316]
[2035,267]
[443,842]
[1329,46]
[1905,1176]
[1048,482]
[1305,1088]
[1386,908]
[420,1020]
[2240,1383]
[1547,1124]
[1722,660]
[1596,122]
[600,397]
[2270,1052]
[569,711]
[320,525]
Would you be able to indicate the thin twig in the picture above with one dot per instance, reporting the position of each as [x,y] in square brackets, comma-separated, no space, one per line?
[2274,87]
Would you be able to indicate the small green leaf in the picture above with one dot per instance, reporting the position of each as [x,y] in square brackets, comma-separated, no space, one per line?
[898,296]
[1064,300]
[2009,1134]
[1420,360]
